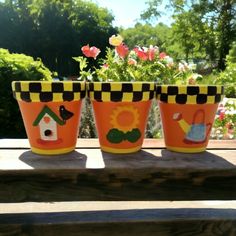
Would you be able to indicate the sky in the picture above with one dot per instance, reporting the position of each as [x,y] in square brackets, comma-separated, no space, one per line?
[126,12]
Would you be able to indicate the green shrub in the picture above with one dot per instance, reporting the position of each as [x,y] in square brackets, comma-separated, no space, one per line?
[16,67]
[228,76]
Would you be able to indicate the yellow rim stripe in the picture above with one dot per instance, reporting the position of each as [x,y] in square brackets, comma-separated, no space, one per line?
[120,150]
[186,150]
[52,151]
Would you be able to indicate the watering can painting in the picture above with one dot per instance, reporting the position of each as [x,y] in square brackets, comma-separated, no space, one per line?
[197,131]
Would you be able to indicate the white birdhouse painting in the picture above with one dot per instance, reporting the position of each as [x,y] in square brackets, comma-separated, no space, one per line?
[48,122]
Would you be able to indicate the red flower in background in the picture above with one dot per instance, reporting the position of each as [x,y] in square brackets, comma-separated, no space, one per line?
[90,51]
[222,115]
[146,53]
[122,50]
[141,53]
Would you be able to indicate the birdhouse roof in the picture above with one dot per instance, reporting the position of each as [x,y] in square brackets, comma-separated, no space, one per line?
[47,110]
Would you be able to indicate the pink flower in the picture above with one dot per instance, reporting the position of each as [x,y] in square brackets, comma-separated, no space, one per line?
[122,50]
[141,53]
[162,55]
[152,52]
[90,51]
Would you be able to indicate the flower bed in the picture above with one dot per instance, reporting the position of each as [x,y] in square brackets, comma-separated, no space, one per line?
[225,121]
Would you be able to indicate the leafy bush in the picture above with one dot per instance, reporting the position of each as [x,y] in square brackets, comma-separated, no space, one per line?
[228,76]
[16,67]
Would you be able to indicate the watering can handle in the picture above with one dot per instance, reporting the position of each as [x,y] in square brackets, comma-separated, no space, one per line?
[208,125]
[197,113]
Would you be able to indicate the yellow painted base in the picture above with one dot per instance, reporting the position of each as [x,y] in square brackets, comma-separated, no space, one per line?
[120,150]
[186,150]
[52,151]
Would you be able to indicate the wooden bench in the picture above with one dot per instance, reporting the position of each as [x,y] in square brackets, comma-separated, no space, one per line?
[89,192]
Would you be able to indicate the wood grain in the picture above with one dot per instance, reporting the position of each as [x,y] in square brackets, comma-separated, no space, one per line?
[89,192]
[89,174]
[155,220]
[94,143]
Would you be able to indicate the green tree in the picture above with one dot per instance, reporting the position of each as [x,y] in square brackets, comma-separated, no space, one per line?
[54,30]
[147,34]
[228,76]
[214,20]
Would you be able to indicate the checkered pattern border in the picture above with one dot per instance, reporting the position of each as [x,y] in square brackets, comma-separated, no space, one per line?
[121,92]
[46,91]
[190,94]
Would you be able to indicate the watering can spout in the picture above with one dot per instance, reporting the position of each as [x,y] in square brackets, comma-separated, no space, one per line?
[182,123]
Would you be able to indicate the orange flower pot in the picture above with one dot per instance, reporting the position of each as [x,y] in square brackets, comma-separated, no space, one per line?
[121,112]
[51,113]
[187,114]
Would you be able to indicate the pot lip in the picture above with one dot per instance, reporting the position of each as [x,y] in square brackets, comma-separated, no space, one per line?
[190,94]
[120,82]
[48,91]
[47,81]
[50,81]
[188,85]
[121,92]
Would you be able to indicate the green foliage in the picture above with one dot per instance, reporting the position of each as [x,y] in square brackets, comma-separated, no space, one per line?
[16,67]
[148,35]
[203,29]
[55,30]
[228,76]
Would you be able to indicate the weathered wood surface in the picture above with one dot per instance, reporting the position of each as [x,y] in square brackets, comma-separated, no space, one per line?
[119,218]
[93,143]
[89,174]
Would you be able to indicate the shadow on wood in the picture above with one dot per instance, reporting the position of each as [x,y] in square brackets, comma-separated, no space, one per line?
[71,160]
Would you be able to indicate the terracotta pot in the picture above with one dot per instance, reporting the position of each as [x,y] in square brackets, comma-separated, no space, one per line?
[187,114]
[51,113]
[121,112]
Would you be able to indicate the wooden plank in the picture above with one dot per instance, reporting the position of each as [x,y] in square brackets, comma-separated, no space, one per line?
[89,174]
[86,206]
[21,160]
[156,220]
[94,143]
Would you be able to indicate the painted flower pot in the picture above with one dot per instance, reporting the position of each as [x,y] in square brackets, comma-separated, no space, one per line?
[187,114]
[51,113]
[121,112]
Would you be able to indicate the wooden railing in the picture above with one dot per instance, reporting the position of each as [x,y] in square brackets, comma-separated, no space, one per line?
[89,192]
